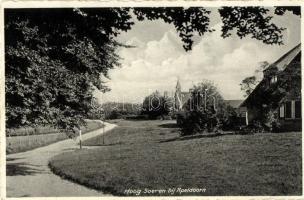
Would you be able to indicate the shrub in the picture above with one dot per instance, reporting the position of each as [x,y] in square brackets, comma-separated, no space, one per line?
[137,117]
[206,111]
[255,127]
[167,117]
[193,122]
[116,110]
[115,114]
[157,106]
[272,121]
[229,119]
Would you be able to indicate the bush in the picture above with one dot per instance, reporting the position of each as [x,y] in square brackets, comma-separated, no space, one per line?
[254,127]
[244,130]
[157,106]
[167,117]
[206,111]
[116,110]
[193,122]
[114,114]
[137,117]
[229,119]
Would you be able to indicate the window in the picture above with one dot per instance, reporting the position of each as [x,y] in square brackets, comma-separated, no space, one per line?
[288,109]
[292,110]
[298,109]
[274,79]
[282,111]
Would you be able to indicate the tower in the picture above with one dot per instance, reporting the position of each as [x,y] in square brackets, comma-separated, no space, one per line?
[178,96]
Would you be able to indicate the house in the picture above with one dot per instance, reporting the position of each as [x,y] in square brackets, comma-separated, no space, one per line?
[277,97]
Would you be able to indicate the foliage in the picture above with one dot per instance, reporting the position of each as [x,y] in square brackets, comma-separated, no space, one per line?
[280,10]
[249,83]
[96,111]
[186,21]
[272,121]
[116,110]
[156,105]
[55,58]
[205,111]
[268,96]
[193,122]
[255,127]
[229,118]
[250,21]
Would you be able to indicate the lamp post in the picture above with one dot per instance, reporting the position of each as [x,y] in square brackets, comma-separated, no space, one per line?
[103,131]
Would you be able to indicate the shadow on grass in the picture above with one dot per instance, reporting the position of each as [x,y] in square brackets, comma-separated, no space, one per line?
[198,136]
[21,169]
[103,145]
[12,159]
[169,125]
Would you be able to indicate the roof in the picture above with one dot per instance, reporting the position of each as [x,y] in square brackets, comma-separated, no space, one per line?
[233,103]
[281,64]
[285,60]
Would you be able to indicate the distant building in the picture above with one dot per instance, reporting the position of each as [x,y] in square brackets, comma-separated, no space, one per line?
[181,98]
[279,90]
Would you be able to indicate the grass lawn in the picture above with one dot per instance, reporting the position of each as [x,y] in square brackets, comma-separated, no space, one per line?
[25,142]
[142,155]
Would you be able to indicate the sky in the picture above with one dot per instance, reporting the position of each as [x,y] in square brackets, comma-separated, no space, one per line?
[158,59]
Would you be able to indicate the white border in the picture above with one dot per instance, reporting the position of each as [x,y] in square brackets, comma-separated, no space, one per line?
[126,3]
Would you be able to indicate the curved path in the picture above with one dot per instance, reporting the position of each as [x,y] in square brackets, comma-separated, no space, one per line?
[31,176]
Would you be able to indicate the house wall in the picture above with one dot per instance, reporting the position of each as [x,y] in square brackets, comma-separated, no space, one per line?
[252,114]
[291,124]
[286,124]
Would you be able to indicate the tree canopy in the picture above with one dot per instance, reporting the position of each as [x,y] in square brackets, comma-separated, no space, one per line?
[156,105]
[55,57]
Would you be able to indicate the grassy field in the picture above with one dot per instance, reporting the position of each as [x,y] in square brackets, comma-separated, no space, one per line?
[149,156]
[25,142]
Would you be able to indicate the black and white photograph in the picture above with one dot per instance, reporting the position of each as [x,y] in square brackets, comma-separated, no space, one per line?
[152,100]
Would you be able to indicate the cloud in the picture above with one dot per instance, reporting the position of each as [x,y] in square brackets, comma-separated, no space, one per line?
[156,65]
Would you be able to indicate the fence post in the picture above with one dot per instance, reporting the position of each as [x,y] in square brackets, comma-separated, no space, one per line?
[80,139]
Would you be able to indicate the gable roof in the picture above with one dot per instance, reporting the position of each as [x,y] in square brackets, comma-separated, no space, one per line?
[281,64]
[233,103]
[286,59]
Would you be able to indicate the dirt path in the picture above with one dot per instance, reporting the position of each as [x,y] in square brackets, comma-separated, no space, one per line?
[30,176]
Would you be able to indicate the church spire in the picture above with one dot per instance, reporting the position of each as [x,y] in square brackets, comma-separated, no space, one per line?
[178,86]
[178,95]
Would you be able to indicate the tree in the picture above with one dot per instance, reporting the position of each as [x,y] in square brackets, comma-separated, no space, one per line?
[115,110]
[56,57]
[54,61]
[156,105]
[249,83]
[205,110]
[96,110]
